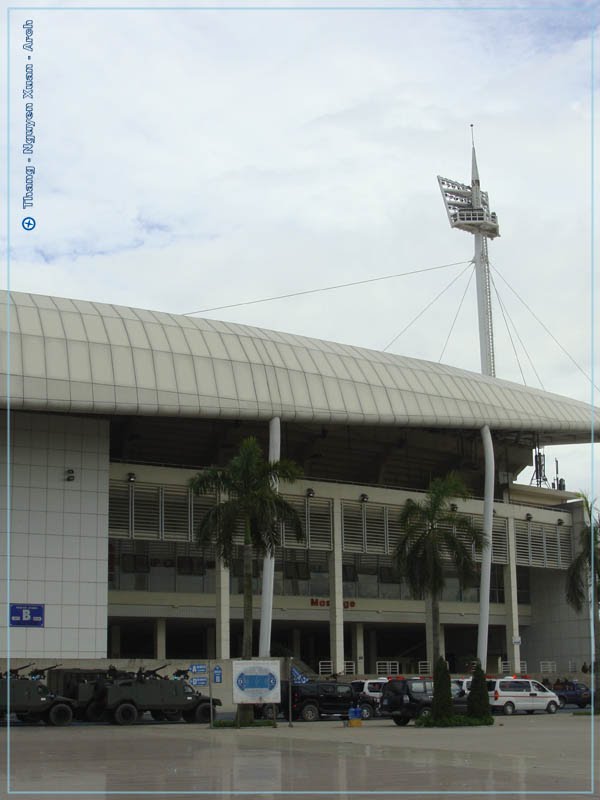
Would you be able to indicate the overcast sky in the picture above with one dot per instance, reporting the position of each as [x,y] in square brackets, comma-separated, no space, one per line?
[188,159]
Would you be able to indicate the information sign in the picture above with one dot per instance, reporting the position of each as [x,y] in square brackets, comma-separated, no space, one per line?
[256,682]
[26,615]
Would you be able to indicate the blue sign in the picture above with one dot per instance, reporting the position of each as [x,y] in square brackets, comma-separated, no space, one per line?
[25,615]
[198,668]
[266,681]
[202,681]
[217,674]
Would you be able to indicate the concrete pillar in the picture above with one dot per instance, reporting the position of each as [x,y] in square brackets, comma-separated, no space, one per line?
[160,638]
[211,642]
[268,578]
[373,651]
[115,641]
[222,601]
[296,646]
[358,647]
[336,594]
[511,603]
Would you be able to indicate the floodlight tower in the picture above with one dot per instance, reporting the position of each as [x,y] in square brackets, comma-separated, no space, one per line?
[469,210]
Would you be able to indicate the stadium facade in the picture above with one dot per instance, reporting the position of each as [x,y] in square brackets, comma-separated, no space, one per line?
[113,409]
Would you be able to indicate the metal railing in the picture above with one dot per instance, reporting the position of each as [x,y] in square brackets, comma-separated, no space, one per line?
[349,668]
[325,667]
[548,666]
[424,668]
[387,668]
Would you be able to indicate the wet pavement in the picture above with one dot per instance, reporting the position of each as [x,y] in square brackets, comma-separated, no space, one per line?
[518,755]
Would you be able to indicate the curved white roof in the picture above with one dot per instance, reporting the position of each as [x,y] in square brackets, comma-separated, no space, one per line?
[79,356]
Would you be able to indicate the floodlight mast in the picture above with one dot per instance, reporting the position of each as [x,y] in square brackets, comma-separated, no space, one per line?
[468,210]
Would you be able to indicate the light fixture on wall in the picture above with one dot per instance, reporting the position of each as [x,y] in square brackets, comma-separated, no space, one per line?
[453,507]
[364,498]
[528,517]
[560,521]
[70,475]
[131,477]
[310,493]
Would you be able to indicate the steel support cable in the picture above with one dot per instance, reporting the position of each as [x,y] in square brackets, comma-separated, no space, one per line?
[548,331]
[462,299]
[521,342]
[323,289]
[428,306]
[504,317]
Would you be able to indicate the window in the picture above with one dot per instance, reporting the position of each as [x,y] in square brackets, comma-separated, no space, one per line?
[349,573]
[344,691]
[132,562]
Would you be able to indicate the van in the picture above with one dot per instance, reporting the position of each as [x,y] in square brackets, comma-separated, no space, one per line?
[509,695]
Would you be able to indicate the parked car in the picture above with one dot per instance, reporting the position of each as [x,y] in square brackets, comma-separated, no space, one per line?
[509,695]
[316,699]
[572,693]
[404,699]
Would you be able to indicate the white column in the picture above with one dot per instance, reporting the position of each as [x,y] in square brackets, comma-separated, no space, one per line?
[486,561]
[222,601]
[511,602]
[160,638]
[358,647]
[336,593]
[268,578]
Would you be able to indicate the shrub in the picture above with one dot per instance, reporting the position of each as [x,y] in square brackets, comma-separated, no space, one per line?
[478,701]
[442,696]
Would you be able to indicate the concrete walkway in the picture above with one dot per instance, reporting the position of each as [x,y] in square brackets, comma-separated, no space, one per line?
[519,754]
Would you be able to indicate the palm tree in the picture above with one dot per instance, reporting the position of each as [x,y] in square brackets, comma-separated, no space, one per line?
[430,538]
[581,588]
[247,496]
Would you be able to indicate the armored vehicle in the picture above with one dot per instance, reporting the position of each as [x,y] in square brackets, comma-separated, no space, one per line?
[123,697]
[32,701]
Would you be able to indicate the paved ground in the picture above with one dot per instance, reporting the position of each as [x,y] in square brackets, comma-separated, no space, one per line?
[519,754]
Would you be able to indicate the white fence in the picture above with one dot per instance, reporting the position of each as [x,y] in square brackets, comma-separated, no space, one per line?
[387,668]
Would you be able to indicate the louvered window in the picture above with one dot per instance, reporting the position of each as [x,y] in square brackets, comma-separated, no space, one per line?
[118,510]
[394,529]
[320,524]
[522,543]
[353,528]
[500,541]
[536,538]
[289,537]
[551,545]
[375,528]
[176,514]
[146,512]
[565,547]
[201,505]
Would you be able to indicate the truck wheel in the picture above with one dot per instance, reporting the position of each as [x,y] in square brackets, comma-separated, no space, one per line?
[94,712]
[551,708]
[270,711]
[366,711]
[60,714]
[202,713]
[310,712]
[125,714]
[508,709]
[424,712]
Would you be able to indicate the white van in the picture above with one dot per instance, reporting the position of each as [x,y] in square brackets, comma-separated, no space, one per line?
[520,694]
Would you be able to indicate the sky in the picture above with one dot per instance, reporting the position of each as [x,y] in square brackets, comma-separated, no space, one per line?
[189,159]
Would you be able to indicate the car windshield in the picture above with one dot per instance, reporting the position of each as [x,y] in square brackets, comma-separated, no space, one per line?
[358,686]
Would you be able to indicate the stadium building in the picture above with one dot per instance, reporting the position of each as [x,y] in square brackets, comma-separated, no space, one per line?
[113,409]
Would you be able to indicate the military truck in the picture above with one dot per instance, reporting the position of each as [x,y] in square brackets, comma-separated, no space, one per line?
[32,701]
[123,697]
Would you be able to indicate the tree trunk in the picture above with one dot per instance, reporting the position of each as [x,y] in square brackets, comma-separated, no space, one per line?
[435,623]
[245,711]
[248,622]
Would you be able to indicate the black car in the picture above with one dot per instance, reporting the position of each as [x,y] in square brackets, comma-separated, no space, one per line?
[404,699]
[316,699]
